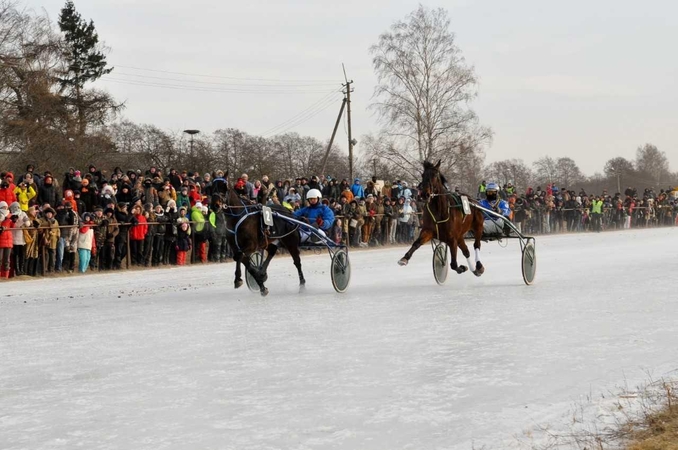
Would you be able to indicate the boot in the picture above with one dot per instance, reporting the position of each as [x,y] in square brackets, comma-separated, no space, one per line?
[4,274]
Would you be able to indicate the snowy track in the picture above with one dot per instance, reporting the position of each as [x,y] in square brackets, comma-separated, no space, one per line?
[177,359]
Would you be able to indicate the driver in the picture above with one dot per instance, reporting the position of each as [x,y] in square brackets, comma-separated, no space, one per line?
[316,214]
[494,225]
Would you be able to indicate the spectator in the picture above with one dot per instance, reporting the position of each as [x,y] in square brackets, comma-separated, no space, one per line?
[7,221]
[357,189]
[24,194]
[183,244]
[86,243]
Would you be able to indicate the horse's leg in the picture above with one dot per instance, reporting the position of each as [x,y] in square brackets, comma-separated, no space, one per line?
[256,274]
[271,250]
[237,256]
[424,237]
[453,244]
[478,224]
[466,252]
[294,252]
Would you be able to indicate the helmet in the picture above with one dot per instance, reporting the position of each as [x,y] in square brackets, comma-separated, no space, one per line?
[492,187]
[313,193]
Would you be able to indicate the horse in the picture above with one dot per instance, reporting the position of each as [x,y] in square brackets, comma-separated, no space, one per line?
[443,219]
[247,234]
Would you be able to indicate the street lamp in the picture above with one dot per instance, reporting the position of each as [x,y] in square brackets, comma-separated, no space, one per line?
[192,133]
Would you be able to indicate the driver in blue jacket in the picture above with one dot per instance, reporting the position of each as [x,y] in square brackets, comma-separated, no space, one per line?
[316,214]
[494,225]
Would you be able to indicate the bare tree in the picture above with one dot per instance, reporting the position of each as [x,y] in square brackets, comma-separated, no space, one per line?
[545,170]
[424,91]
[568,173]
[652,162]
[510,171]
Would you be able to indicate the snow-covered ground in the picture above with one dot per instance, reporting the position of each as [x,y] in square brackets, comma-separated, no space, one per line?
[178,359]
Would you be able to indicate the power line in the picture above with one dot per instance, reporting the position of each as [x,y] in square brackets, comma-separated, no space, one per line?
[208,89]
[318,103]
[225,77]
[221,84]
[301,117]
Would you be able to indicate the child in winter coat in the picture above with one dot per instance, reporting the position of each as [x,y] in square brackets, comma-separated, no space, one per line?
[7,221]
[18,251]
[183,243]
[86,243]
[137,235]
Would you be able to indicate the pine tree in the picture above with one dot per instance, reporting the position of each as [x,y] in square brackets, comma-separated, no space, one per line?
[85,61]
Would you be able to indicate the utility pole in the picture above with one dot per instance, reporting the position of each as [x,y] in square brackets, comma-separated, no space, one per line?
[350,135]
[334,132]
[351,141]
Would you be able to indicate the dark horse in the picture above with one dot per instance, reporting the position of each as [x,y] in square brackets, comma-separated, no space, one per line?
[443,219]
[247,234]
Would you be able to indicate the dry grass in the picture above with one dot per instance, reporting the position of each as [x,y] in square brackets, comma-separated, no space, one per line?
[658,430]
[644,418]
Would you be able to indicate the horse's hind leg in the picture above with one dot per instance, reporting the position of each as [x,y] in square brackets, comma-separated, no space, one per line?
[478,224]
[453,260]
[424,237]
[294,252]
[467,255]
[237,256]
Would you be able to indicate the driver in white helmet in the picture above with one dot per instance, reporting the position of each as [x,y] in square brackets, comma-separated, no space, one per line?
[494,225]
[316,214]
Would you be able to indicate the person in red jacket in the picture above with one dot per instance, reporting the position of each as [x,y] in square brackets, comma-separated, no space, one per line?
[6,241]
[137,234]
[7,194]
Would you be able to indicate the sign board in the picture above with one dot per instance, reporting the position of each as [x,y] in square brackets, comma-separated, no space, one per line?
[268,216]
[465,205]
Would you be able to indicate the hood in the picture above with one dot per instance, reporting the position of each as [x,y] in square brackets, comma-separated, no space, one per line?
[14,208]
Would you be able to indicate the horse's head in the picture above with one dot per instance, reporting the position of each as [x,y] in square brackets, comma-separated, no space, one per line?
[432,182]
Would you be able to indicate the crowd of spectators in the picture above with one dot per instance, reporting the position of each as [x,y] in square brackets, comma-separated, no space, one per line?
[150,218]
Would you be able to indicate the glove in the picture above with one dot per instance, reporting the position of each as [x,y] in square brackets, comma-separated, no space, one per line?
[319,221]
[305,219]
[36,224]
[14,218]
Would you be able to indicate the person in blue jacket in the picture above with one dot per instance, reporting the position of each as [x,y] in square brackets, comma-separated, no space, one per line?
[494,225]
[357,189]
[316,214]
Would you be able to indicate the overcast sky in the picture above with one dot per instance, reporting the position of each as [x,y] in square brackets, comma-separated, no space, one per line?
[586,79]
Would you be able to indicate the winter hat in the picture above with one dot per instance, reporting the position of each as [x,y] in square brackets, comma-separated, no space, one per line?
[3,205]
[76,173]
[49,210]
[14,208]
[205,209]
[9,176]
[109,210]
[198,205]
[171,204]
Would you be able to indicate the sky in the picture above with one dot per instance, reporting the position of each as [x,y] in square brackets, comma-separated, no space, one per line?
[587,80]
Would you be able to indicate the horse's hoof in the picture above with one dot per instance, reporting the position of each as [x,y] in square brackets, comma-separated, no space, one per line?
[264,292]
[480,269]
[403,262]
[237,283]
[302,288]
[461,269]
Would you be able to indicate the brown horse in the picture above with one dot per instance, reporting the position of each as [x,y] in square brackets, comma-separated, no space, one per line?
[246,235]
[443,219]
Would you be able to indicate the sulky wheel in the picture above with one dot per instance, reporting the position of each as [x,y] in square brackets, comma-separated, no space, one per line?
[529,262]
[440,266]
[340,270]
[256,260]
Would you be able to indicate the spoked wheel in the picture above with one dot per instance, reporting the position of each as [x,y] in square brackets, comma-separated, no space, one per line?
[256,260]
[440,266]
[529,262]
[340,270]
